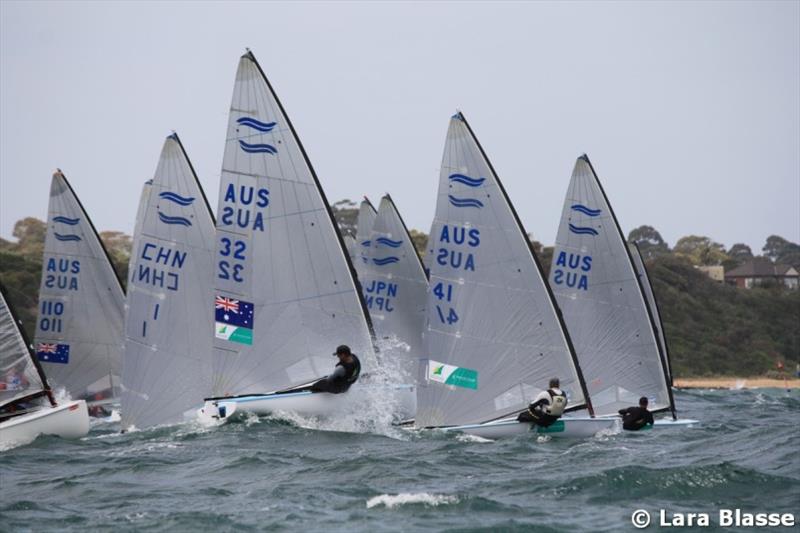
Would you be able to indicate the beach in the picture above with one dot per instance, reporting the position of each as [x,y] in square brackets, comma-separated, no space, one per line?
[736,383]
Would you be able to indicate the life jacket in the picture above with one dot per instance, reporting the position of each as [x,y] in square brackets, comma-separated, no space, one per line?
[352,370]
[558,402]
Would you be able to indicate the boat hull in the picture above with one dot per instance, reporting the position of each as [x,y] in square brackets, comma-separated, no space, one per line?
[305,403]
[568,427]
[668,423]
[69,420]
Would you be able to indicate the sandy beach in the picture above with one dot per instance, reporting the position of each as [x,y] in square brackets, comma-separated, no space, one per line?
[736,383]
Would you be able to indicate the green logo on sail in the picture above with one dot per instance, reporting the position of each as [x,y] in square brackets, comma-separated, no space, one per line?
[453,375]
[234,333]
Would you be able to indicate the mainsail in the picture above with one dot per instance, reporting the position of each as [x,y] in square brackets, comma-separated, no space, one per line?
[285,288]
[166,366]
[366,218]
[394,283]
[494,337]
[598,291]
[21,376]
[81,302]
[652,304]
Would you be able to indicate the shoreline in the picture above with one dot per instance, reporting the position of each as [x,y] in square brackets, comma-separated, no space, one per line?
[736,383]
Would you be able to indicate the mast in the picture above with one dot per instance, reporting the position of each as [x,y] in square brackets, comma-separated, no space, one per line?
[550,295]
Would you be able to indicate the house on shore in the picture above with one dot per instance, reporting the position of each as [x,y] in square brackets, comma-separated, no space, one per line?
[761,271]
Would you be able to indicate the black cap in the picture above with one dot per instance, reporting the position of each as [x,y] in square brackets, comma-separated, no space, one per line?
[342,349]
[643,400]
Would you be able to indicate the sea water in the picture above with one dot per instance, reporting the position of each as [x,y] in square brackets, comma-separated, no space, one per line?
[363,474]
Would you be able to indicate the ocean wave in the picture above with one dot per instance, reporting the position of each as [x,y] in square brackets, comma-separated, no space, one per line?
[390,501]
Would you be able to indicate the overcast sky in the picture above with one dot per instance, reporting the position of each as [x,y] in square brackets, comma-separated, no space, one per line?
[689,111]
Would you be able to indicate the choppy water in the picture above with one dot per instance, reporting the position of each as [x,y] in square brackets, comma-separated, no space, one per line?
[259,474]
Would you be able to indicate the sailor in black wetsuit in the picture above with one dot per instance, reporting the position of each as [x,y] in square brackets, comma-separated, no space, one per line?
[344,374]
[547,407]
[636,418]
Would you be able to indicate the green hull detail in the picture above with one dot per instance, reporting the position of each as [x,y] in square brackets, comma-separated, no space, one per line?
[463,377]
[555,427]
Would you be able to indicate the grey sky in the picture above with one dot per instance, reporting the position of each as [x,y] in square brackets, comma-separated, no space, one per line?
[690,112]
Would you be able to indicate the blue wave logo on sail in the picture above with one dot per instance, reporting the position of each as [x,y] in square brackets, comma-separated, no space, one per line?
[258,148]
[68,221]
[388,242]
[466,180]
[465,202]
[586,210]
[386,260]
[66,237]
[176,198]
[578,230]
[366,243]
[257,124]
[174,220]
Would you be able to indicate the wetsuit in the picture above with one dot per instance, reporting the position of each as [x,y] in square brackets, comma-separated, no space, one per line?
[344,375]
[635,418]
[545,409]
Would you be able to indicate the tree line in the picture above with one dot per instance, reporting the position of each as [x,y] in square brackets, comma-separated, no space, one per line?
[711,328]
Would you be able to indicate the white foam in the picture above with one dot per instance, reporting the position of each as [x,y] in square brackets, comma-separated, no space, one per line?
[390,501]
[466,437]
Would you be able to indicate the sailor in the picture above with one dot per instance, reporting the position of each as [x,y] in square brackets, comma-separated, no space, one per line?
[548,406]
[636,418]
[344,374]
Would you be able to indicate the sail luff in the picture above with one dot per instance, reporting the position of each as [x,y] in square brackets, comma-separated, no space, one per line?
[408,234]
[550,295]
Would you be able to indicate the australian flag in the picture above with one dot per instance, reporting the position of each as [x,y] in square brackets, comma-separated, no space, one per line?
[53,353]
[234,312]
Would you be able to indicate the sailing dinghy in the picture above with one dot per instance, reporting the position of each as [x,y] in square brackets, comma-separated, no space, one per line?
[285,289]
[494,336]
[27,406]
[395,289]
[166,365]
[600,292]
[81,304]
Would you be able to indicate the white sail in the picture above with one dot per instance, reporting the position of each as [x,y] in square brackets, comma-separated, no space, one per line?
[19,376]
[597,289]
[350,246]
[652,303]
[166,366]
[494,337]
[285,289]
[395,285]
[81,302]
[366,219]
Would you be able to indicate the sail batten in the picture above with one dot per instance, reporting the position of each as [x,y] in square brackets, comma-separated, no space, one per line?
[285,289]
[81,302]
[602,301]
[494,337]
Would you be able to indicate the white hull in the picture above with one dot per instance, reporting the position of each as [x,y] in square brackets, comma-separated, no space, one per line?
[306,403]
[668,423]
[69,420]
[569,427]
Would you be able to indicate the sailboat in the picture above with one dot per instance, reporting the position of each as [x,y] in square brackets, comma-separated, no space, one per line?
[366,218]
[601,296]
[395,288]
[166,365]
[27,406]
[285,289]
[495,336]
[81,303]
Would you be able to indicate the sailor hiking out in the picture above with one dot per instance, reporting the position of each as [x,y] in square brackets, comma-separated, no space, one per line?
[636,418]
[344,374]
[548,406]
